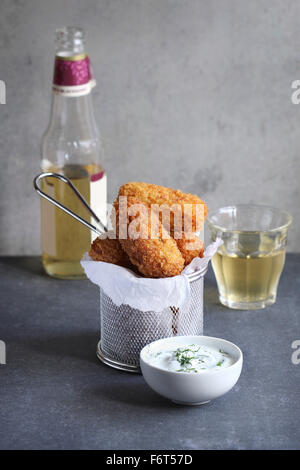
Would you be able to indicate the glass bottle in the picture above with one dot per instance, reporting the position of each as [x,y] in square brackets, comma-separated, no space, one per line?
[71,146]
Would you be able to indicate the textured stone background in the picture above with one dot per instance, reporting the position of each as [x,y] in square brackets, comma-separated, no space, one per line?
[192,94]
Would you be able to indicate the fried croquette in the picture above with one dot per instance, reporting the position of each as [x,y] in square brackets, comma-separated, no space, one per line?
[190,246]
[186,209]
[146,242]
[109,250]
[154,194]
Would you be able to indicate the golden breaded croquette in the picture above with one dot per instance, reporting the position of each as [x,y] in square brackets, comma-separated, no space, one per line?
[109,250]
[190,246]
[184,205]
[155,194]
[148,245]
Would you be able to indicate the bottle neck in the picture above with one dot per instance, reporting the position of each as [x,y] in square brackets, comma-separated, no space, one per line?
[72,136]
[72,72]
[69,41]
[74,115]
[72,108]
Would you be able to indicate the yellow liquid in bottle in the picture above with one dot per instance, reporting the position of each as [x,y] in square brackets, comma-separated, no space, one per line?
[65,240]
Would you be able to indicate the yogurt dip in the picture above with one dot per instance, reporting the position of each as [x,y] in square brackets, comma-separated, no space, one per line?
[191,358]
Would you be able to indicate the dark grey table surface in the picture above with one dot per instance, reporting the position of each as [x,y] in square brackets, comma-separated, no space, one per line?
[55,394]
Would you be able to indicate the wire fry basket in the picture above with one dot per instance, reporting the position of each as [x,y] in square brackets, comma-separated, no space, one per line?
[125,330]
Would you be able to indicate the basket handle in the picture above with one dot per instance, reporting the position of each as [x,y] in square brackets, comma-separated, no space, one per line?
[66,180]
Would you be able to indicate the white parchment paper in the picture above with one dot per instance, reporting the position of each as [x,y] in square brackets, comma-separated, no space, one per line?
[125,287]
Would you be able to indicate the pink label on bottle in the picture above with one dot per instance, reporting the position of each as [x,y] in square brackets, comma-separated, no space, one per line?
[97,176]
[72,72]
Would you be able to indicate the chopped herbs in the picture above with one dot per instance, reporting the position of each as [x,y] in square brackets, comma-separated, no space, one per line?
[192,359]
[191,369]
[185,356]
[223,352]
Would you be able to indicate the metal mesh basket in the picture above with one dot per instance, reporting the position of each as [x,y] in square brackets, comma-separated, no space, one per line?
[125,330]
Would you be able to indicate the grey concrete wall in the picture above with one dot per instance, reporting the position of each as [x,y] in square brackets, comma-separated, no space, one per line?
[192,94]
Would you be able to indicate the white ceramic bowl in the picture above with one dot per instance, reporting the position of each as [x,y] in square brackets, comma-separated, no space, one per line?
[191,389]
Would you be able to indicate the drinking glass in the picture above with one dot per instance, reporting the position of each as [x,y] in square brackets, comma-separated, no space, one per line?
[249,263]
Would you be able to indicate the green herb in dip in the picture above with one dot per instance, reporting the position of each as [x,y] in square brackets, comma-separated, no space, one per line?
[191,358]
